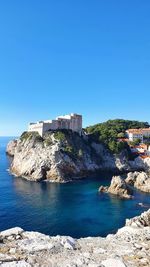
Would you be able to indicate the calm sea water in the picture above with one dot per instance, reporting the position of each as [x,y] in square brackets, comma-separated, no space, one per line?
[75,209]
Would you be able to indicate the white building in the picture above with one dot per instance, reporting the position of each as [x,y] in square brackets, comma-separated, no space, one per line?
[71,122]
[146,132]
[133,134]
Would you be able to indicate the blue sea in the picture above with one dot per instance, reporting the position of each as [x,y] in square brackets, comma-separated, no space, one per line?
[75,209]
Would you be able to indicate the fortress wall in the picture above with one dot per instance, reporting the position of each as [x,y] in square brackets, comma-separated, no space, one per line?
[72,122]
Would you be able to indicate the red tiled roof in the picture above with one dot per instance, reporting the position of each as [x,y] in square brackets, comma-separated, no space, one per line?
[135,131]
[138,131]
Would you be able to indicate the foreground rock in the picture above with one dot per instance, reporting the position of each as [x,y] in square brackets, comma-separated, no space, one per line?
[118,187]
[140,221]
[140,180]
[129,247]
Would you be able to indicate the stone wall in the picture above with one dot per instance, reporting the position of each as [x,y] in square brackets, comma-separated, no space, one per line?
[72,122]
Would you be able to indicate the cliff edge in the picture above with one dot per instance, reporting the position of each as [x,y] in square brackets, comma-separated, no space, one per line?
[64,155]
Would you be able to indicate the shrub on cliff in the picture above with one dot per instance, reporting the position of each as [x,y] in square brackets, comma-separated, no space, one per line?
[60,136]
[48,141]
[31,135]
[68,149]
[135,142]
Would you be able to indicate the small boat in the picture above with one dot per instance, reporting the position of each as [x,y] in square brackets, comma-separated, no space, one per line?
[144,205]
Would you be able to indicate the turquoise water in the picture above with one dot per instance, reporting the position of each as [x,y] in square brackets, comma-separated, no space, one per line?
[75,209]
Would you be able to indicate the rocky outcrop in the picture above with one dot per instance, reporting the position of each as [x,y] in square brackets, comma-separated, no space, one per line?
[10,150]
[118,187]
[58,156]
[129,247]
[124,187]
[61,156]
[140,180]
[140,221]
[103,189]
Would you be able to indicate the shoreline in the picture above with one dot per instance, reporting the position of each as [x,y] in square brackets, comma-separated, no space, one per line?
[128,247]
[94,174]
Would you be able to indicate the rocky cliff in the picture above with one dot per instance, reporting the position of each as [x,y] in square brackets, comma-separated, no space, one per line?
[123,187]
[63,155]
[140,180]
[118,187]
[129,247]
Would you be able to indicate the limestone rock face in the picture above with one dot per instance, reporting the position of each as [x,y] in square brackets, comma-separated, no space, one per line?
[129,247]
[103,189]
[61,156]
[140,221]
[10,150]
[58,156]
[119,187]
[11,232]
[113,263]
[140,180]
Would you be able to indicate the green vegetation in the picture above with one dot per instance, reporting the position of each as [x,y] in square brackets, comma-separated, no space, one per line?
[146,140]
[68,149]
[118,126]
[25,136]
[121,135]
[73,152]
[135,142]
[109,132]
[30,135]
[48,140]
[80,153]
[59,135]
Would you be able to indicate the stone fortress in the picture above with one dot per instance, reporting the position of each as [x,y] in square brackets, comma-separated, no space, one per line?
[71,122]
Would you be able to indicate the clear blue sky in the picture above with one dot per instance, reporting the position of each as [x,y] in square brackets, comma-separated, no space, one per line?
[86,56]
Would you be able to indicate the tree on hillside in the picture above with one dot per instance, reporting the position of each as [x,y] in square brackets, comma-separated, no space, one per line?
[108,132]
[136,142]
[121,135]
